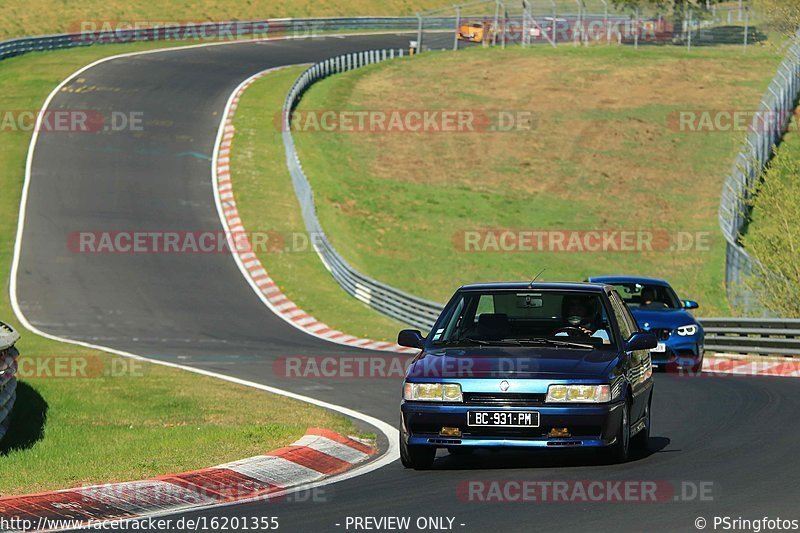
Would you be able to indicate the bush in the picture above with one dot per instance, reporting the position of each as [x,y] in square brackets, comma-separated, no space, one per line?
[773,238]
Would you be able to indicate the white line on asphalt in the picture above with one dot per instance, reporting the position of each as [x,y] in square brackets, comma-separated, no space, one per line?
[389,431]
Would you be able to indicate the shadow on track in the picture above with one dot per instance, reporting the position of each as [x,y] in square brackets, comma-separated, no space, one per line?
[487,459]
[27,420]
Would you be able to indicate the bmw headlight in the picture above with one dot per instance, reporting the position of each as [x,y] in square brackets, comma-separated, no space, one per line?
[432,392]
[578,394]
[687,331]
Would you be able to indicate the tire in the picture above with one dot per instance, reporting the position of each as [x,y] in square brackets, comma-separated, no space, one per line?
[416,457]
[641,440]
[620,450]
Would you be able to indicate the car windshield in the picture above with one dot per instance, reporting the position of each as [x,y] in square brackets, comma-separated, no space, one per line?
[522,318]
[648,296]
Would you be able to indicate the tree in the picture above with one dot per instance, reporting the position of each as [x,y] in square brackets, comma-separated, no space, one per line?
[782,15]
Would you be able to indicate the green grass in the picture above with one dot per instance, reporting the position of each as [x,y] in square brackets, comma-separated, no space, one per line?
[103,428]
[602,157]
[38,17]
[267,203]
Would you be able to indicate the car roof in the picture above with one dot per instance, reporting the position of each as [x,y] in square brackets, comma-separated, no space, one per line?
[612,280]
[526,285]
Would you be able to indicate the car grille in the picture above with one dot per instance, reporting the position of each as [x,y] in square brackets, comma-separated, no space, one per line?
[661,334]
[539,433]
[499,399]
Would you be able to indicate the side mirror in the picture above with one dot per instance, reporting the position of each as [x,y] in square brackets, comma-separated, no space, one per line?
[641,341]
[411,338]
[690,304]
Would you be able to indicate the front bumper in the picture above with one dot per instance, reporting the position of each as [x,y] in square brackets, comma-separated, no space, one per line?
[589,426]
[681,353]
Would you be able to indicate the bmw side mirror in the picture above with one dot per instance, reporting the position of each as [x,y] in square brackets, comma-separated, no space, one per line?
[410,338]
[690,304]
[641,341]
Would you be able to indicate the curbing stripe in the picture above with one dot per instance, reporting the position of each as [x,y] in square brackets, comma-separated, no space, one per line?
[275,470]
[312,459]
[728,365]
[319,454]
[333,448]
[278,302]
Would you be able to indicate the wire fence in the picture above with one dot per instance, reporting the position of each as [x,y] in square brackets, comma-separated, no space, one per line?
[766,130]
[525,22]
[8,380]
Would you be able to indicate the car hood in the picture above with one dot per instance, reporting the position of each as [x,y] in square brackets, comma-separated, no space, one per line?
[489,361]
[662,318]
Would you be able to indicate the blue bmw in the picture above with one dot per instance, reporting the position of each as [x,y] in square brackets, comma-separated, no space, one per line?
[657,309]
[528,365]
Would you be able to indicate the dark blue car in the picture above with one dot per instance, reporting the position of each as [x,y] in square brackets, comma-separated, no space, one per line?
[528,365]
[657,309]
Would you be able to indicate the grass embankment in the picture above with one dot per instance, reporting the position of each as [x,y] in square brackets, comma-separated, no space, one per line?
[101,420]
[39,17]
[606,153]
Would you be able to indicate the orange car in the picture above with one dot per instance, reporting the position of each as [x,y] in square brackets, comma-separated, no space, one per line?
[474,32]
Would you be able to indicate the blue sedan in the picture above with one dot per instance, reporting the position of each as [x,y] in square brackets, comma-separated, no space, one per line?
[528,365]
[657,309]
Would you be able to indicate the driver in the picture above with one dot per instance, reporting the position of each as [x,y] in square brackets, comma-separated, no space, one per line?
[581,314]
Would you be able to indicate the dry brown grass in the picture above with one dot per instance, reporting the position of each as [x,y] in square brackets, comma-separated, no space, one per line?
[38,17]
[603,155]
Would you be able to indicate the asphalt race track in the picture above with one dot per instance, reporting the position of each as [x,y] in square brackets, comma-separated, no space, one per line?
[737,434]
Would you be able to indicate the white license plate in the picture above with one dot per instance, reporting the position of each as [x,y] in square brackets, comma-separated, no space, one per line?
[511,419]
[661,348]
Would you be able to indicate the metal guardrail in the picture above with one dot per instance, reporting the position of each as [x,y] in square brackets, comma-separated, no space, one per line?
[307,27]
[759,336]
[766,130]
[388,300]
[8,370]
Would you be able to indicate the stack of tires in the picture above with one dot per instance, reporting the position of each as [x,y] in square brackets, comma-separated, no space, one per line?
[8,370]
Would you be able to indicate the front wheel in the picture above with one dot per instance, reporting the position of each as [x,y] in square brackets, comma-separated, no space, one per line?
[619,451]
[641,440]
[416,457]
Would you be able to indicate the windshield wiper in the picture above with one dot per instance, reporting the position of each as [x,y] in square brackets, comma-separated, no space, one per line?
[554,342]
[481,342]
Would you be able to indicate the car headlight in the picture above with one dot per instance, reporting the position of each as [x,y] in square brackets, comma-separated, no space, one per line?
[578,394]
[687,331]
[432,392]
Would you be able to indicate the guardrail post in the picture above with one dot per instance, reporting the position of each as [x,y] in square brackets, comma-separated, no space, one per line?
[746,23]
[458,27]
[419,33]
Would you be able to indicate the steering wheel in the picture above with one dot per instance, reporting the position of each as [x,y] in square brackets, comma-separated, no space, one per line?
[571,331]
